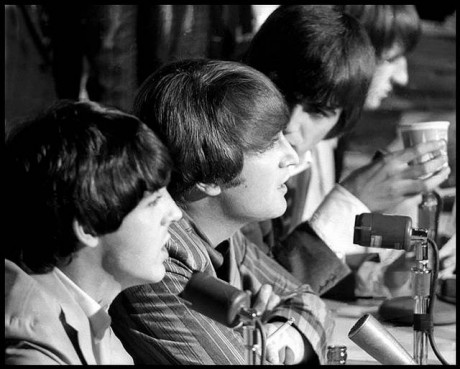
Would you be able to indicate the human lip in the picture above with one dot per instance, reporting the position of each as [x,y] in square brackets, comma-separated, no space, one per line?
[165,252]
[283,183]
[166,238]
[283,188]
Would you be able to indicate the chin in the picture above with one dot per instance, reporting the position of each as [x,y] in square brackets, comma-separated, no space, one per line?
[281,209]
[159,274]
[156,276]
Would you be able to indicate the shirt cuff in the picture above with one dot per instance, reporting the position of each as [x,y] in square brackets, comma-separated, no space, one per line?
[334,220]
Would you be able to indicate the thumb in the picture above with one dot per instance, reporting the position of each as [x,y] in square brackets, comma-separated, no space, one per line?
[289,356]
[281,354]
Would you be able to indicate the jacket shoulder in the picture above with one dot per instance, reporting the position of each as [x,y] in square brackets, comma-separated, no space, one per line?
[32,325]
[186,247]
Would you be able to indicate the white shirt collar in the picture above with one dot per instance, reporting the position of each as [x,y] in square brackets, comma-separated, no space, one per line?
[99,318]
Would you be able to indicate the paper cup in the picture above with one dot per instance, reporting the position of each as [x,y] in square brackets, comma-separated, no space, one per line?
[415,133]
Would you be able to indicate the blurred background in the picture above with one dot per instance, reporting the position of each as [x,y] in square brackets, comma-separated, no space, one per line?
[104,52]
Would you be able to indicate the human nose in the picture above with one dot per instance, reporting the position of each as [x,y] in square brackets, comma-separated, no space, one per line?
[290,156]
[174,213]
[400,75]
[294,137]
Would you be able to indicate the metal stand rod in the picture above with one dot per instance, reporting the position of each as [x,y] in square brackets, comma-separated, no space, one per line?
[251,339]
[421,295]
[420,342]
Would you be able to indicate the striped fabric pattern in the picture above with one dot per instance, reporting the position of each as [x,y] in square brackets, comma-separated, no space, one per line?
[157,327]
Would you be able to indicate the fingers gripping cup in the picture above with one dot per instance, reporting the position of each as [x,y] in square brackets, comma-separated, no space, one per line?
[415,133]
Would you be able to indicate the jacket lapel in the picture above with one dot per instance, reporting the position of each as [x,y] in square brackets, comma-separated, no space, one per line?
[72,316]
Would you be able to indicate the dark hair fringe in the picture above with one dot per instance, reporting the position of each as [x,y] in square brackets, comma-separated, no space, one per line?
[210,113]
[76,161]
[388,25]
[318,57]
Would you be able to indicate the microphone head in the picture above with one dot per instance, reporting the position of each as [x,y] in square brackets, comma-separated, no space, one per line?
[383,231]
[373,338]
[215,298]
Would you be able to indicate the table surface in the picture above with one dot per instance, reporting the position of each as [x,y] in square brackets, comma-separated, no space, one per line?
[347,314]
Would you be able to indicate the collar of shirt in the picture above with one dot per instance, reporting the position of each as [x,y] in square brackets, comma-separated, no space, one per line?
[97,315]
[227,261]
[187,223]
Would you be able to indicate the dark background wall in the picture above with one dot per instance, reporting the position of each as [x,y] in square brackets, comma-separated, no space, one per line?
[104,52]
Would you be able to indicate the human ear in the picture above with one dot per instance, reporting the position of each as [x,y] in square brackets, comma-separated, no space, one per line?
[83,236]
[210,189]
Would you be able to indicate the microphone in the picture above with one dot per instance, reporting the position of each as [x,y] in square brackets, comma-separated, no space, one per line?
[373,338]
[386,231]
[215,299]
[396,232]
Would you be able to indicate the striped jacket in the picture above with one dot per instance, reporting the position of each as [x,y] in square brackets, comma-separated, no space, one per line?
[157,327]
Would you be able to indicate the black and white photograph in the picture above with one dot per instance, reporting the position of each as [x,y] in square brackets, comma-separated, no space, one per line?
[230,184]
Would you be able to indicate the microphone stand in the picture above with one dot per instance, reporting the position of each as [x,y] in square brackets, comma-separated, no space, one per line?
[421,293]
[229,306]
[396,232]
[428,217]
[249,316]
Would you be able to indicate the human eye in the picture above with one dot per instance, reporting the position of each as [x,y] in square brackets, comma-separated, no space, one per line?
[392,57]
[291,135]
[319,112]
[155,197]
[276,139]
[154,201]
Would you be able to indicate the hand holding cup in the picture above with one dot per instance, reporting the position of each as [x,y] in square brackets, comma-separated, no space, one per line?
[416,133]
[391,178]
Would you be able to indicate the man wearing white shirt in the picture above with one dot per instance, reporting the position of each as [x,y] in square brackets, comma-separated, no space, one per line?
[322,61]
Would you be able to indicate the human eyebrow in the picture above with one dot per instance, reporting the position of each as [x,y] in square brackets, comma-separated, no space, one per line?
[270,144]
[152,198]
[276,137]
[393,58]
[326,112]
